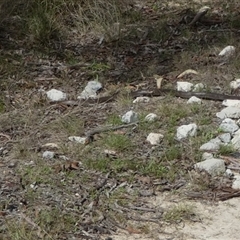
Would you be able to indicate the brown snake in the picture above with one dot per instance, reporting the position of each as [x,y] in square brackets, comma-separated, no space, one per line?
[149,93]
[186,95]
[155,93]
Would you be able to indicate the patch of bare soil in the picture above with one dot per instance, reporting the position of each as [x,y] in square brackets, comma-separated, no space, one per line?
[215,221]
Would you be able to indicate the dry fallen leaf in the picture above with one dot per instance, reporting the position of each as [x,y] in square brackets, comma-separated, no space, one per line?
[158,80]
[189,71]
[119,132]
[69,165]
[110,153]
[144,180]
[50,146]
[3,213]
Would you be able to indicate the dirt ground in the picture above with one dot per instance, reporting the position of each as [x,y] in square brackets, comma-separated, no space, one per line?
[216,221]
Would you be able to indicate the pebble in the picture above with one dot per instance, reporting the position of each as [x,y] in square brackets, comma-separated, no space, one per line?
[130,117]
[56,95]
[154,138]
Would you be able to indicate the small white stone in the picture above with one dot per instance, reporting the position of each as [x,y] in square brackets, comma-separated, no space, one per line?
[207,155]
[86,94]
[34,185]
[238,122]
[56,95]
[225,137]
[198,87]
[235,84]
[151,117]
[212,145]
[63,157]
[82,140]
[194,99]
[141,100]
[186,130]
[228,125]
[227,51]
[236,182]
[48,154]
[93,86]
[90,90]
[154,138]
[213,166]
[236,140]
[231,103]
[229,173]
[130,117]
[229,112]
[184,86]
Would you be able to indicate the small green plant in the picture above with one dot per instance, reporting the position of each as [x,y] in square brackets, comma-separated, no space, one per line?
[173,152]
[2,106]
[116,166]
[69,124]
[124,101]
[179,213]
[226,149]
[196,108]
[99,67]
[207,135]
[114,119]
[19,231]
[204,119]
[37,174]
[172,113]
[160,33]
[153,168]
[118,142]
